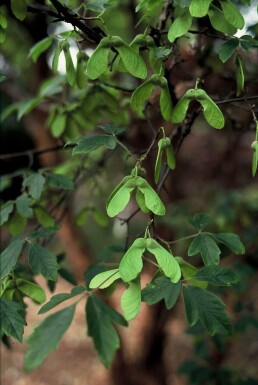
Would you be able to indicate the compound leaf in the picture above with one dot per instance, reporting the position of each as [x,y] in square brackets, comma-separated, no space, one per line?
[47,336]
[91,143]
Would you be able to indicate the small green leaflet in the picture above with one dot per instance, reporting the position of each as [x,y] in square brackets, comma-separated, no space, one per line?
[100,318]
[180,26]
[19,8]
[200,304]
[199,8]
[164,144]
[26,106]
[232,241]
[98,62]
[43,217]
[12,318]
[162,288]
[42,262]
[59,181]
[31,289]
[47,336]
[206,246]
[58,124]
[227,49]
[232,14]
[255,158]
[56,57]
[97,5]
[131,300]
[219,22]
[104,279]
[35,183]
[44,233]
[16,224]
[81,78]
[132,61]
[59,298]
[87,144]
[189,271]
[40,47]
[217,275]
[23,203]
[9,256]
[5,212]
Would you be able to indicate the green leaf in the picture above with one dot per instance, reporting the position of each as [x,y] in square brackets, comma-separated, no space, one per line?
[70,71]
[39,48]
[23,203]
[211,111]
[188,271]
[3,21]
[44,233]
[120,198]
[180,109]
[166,261]
[35,183]
[43,217]
[100,318]
[19,9]
[43,262]
[205,245]
[133,62]
[131,263]
[171,159]
[100,217]
[104,279]
[232,14]
[202,305]
[61,297]
[56,57]
[12,318]
[217,275]
[47,336]
[255,158]
[131,300]
[180,26]
[165,103]
[240,77]
[227,49]
[162,288]
[141,94]
[59,181]
[28,105]
[152,200]
[58,124]
[5,212]
[200,221]
[199,8]
[30,289]
[9,256]
[16,224]
[219,22]
[97,5]
[81,78]
[98,62]
[91,143]
[232,241]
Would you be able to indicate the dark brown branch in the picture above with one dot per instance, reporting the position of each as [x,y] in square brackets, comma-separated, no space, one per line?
[36,151]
